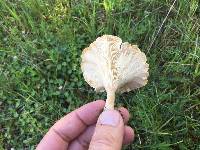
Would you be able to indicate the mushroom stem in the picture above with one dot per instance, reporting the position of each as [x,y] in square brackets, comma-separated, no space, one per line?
[110,100]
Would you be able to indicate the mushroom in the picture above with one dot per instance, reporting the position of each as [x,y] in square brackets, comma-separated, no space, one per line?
[112,66]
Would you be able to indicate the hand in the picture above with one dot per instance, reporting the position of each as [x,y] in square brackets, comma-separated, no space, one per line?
[89,128]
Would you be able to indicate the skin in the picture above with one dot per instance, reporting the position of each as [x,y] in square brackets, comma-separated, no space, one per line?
[82,130]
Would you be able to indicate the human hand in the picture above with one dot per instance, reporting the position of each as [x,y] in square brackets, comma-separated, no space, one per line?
[89,128]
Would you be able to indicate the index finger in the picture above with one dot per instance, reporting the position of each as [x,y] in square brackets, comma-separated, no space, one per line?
[71,126]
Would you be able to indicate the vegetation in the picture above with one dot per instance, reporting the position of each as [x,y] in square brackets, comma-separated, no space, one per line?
[40,78]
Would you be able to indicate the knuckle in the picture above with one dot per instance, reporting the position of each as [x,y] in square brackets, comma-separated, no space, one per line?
[106,142]
[83,142]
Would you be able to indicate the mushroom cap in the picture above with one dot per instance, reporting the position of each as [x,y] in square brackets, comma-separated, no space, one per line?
[109,64]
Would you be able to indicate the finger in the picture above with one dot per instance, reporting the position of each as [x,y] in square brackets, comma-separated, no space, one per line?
[71,126]
[128,135]
[125,114]
[83,141]
[109,132]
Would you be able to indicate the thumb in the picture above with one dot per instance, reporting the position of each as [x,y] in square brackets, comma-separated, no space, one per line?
[109,132]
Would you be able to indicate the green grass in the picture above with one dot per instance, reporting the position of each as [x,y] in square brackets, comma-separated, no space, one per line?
[40,78]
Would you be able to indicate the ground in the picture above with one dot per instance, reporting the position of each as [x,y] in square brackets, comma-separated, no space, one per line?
[40,77]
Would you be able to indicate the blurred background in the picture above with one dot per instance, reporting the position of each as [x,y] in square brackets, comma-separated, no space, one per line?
[40,77]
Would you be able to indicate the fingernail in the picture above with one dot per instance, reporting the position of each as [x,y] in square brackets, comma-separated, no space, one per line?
[109,117]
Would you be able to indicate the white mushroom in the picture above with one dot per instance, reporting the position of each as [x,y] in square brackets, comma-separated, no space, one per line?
[112,66]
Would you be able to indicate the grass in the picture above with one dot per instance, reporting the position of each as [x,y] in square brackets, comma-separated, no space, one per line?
[40,77]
